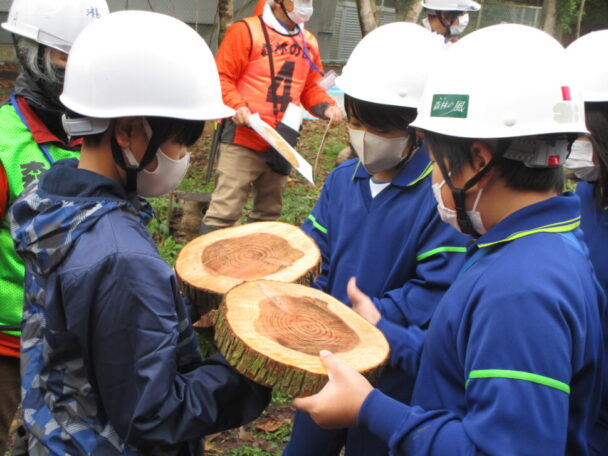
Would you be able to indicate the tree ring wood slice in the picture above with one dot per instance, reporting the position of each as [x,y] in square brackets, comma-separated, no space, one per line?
[212,264]
[272,332]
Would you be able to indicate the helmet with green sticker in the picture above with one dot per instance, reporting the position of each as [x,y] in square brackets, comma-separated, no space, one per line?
[504,81]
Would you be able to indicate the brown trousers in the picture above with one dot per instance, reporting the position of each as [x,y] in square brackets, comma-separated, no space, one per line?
[239,170]
[10,395]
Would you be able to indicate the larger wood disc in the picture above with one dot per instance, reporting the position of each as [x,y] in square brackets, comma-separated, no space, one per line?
[272,333]
[212,264]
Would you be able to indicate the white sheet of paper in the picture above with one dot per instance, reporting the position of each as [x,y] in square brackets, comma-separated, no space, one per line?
[278,142]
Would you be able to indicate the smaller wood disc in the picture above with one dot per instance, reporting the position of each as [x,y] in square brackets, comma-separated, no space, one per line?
[272,332]
[212,264]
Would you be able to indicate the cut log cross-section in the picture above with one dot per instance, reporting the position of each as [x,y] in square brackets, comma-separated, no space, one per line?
[272,333]
[212,264]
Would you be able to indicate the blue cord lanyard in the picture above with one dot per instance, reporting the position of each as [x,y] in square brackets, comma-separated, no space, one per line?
[311,62]
[42,147]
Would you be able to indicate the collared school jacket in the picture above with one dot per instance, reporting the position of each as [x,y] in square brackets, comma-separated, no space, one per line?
[402,254]
[594,223]
[512,360]
[404,258]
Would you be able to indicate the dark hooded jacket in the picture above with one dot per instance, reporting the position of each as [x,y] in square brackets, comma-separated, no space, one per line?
[110,362]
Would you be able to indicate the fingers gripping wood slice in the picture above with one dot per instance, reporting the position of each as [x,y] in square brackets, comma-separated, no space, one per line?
[212,264]
[272,333]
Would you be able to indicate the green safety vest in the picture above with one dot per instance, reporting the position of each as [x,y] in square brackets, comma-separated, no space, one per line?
[24,162]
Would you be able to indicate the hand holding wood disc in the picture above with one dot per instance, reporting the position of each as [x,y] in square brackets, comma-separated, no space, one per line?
[272,333]
[337,405]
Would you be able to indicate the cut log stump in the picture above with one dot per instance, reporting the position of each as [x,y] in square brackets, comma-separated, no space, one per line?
[272,333]
[194,205]
[212,264]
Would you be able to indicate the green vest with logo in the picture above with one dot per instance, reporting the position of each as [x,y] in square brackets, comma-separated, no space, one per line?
[24,162]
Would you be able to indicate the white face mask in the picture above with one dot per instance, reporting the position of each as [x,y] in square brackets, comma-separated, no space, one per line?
[302,11]
[375,152]
[580,161]
[463,21]
[167,175]
[450,215]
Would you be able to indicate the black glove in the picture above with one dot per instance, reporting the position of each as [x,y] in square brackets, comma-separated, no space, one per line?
[274,159]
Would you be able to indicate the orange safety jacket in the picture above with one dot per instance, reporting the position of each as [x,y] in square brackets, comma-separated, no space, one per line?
[244,69]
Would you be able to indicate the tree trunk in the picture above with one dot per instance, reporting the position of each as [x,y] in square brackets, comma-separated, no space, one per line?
[549,16]
[367,15]
[413,11]
[212,264]
[226,13]
[272,333]
[581,13]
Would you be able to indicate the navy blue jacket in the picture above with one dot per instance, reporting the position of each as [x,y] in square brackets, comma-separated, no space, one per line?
[594,223]
[110,362]
[512,360]
[402,254]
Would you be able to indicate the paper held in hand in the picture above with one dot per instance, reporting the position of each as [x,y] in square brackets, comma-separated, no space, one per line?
[278,142]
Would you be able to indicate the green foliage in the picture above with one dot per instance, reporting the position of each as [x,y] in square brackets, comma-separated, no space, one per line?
[167,247]
[281,398]
[567,15]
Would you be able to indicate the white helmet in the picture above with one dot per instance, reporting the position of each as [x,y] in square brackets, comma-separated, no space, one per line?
[54,23]
[374,73]
[451,5]
[502,81]
[139,63]
[586,56]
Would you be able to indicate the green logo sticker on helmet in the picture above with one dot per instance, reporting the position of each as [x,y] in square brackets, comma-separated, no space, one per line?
[450,105]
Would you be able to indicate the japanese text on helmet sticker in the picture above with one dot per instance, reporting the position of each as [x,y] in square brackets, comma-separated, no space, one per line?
[450,105]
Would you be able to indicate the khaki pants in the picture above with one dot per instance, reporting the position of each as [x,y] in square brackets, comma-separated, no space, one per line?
[239,170]
[10,395]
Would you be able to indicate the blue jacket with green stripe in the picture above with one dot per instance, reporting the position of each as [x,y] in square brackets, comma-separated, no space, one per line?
[512,360]
[402,254]
[594,223]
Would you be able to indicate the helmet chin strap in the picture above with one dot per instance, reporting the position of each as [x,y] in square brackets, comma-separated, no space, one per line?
[131,170]
[284,10]
[459,195]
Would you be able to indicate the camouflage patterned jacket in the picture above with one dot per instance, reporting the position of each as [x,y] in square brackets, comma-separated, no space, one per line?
[110,364]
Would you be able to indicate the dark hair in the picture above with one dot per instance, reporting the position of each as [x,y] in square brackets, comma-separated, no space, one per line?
[182,131]
[379,116]
[596,117]
[517,176]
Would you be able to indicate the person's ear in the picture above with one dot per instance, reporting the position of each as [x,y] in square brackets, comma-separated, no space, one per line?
[482,155]
[123,130]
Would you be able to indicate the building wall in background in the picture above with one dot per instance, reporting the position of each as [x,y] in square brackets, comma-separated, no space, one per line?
[201,15]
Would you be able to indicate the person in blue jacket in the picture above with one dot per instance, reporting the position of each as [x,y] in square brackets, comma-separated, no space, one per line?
[589,157]
[376,217]
[110,363]
[589,162]
[511,363]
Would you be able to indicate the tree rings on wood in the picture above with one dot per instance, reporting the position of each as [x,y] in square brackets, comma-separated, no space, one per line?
[272,332]
[212,264]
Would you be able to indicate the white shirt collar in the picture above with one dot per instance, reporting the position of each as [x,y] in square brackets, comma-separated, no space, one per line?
[270,20]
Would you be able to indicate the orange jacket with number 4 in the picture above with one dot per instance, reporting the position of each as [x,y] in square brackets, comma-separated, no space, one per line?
[244,67]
